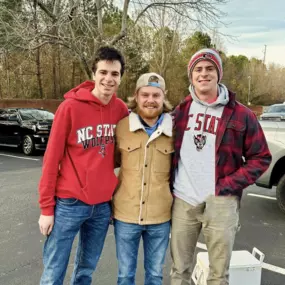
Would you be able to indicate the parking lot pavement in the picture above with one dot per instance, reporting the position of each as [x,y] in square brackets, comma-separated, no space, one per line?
[263,226]
[13,159]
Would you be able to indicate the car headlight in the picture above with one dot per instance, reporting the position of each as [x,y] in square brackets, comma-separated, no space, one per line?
[42,127]
[42,132]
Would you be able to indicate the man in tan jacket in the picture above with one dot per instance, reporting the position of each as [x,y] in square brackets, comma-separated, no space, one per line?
[142,202]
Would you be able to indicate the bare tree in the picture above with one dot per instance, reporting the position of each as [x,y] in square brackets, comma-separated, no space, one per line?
[78,25]
[38,53]
[162,37]
[217,40]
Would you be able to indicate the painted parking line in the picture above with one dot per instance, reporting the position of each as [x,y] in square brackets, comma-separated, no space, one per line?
[273,268]
[261,196]
[267,266]
[19,157]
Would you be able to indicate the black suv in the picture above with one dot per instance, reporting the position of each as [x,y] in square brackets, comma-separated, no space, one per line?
[27,128]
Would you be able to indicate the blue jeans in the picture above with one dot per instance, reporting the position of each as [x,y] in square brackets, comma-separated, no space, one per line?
[155,242]
[73,216]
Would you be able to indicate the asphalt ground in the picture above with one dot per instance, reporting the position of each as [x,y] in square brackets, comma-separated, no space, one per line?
[262,226]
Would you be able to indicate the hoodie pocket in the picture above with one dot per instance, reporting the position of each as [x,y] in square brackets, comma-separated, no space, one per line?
[100,184]
[130,154]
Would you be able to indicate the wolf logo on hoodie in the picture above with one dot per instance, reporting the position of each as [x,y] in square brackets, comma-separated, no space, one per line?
[102,150]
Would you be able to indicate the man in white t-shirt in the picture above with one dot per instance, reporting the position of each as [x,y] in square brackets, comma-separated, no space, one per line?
[220,149]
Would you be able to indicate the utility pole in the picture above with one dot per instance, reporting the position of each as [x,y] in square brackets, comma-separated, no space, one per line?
[264,57]
[248,95]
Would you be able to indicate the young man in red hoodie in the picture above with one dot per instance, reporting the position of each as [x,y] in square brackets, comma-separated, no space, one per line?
[78,177]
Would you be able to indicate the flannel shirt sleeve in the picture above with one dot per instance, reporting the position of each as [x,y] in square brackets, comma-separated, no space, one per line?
[257,159]
[173,115]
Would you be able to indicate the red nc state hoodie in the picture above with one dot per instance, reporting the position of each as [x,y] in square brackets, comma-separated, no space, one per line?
[79,159]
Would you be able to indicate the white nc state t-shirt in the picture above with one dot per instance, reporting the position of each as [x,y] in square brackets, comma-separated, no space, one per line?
[195,176]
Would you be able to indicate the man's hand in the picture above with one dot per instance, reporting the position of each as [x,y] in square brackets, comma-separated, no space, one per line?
[46,224]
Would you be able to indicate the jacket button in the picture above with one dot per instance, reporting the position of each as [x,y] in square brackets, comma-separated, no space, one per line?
[128,148]
[141,220]
[148,146]
[166,150]
[146,165]
[144,184]
[143,202]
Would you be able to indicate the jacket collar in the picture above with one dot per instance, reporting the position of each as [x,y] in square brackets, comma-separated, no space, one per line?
[165,126]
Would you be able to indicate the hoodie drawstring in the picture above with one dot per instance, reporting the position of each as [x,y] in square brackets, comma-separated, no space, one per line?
[204,119]
[102,150]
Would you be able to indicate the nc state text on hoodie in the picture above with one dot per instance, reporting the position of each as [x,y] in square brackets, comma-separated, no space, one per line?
[79,159]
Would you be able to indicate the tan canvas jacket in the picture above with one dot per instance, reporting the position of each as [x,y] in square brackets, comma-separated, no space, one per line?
[143,195]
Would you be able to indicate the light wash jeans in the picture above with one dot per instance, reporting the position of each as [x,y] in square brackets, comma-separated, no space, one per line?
[155,243]
[73,216]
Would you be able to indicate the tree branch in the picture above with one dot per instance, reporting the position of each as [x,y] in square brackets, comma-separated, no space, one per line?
[123,31]
[99,17]
[46,10]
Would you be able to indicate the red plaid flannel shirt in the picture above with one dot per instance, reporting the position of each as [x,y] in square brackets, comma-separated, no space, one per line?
[239,136]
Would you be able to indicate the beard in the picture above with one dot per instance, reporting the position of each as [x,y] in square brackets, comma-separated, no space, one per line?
[149,113]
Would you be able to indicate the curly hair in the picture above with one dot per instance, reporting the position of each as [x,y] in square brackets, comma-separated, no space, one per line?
[110,54]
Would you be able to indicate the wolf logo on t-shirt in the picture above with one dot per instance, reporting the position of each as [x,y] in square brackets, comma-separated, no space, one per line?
[200,141]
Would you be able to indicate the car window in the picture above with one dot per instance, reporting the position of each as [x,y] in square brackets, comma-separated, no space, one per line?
[35,114]
[3,115]
[13,117]
[276,109]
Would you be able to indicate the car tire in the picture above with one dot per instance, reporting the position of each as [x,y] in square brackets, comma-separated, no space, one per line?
[280,193]
[28,145]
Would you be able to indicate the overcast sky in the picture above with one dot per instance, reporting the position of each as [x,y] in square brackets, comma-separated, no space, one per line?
[253,23]
[256,23]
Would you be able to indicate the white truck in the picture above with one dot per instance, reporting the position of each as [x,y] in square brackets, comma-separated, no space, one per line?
[275,175]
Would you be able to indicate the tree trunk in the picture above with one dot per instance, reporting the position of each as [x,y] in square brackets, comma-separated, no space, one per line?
[55,51]
[1,94]
[55,72]
[85,68]
[7,67]
[73,74]
[38,73]
[59,70]
[17,88]
[38,55]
